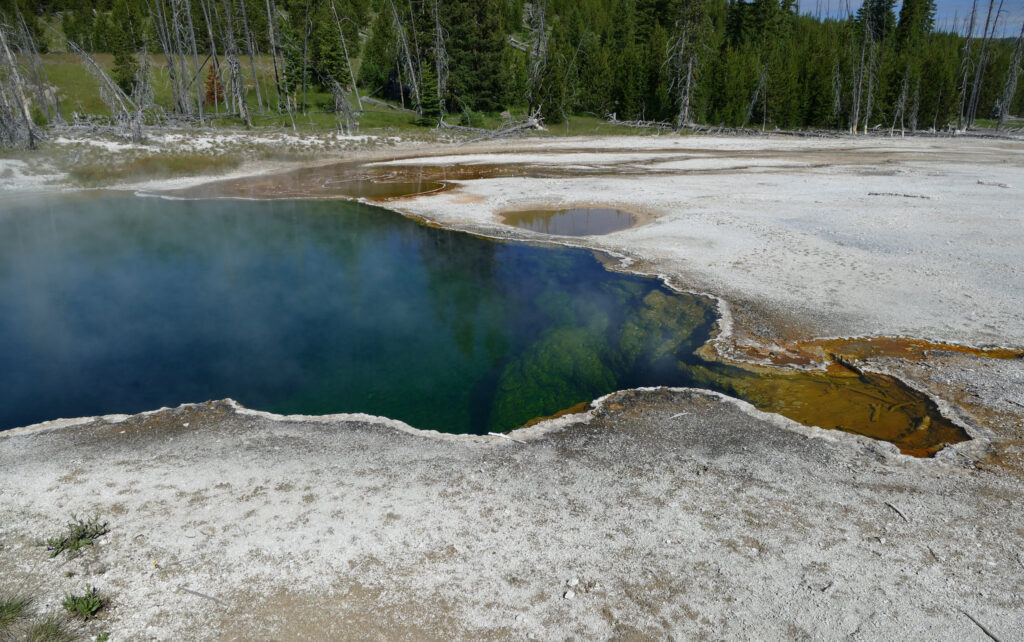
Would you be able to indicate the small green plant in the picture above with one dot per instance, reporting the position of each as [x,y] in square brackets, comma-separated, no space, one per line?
[103,637]
[12,607]
[80,532]
[83,606]
[52,628]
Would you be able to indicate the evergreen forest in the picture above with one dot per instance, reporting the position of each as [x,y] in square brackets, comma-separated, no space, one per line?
[672,63]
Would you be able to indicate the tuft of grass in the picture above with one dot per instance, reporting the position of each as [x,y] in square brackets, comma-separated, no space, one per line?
[12,607]
[79,533]
[83,606]
[52,628]
[157,166]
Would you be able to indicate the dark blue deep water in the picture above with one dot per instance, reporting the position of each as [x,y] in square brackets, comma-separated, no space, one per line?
[119,304]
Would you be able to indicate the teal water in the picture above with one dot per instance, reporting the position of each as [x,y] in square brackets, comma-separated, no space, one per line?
[119,304]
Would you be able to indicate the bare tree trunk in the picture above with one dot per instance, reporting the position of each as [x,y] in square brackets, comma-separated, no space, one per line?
[1010,85]
[126,113]
[858,77]
[762,79]
[683,60]
[271,21]
[213,52]
[915,105]
[251,47]
[306,27]
[966,64]
[837,92]
[870,99]
[156,10]
[235,69]
[348,61]
[195,55]
[538,51]
[901,103]
[347,122]
[410,68]
[17,89]
[979,70]
[401,90]
[440,58]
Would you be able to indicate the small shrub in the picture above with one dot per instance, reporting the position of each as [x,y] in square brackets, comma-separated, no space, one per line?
[39,118]
[52,628]
[79,533]
[103,637]
[470,118]
[83,606]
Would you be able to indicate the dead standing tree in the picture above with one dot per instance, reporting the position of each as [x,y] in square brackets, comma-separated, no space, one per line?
[235,84]
[348,61]
[347,122]
[250,46]
[16,125]
[127,115]
[965,66]
[440,56]
[208,18]
[176,73]
[979,68]
[44,96]
[407,59]
[683,60]
[536,20]
[1010,85]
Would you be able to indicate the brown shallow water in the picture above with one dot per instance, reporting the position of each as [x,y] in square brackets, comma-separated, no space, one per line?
[372,182]
[840,397]
[575,221]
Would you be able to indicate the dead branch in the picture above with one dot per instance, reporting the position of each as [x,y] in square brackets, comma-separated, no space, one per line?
[441,124]
[182,587]
[347,122]
[901,195]
[533,121]
[898,511]
[126,113]
[381,103]
[639,124]
[981,626]
[16,123]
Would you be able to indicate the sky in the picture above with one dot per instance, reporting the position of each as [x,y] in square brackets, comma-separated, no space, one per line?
[949,13]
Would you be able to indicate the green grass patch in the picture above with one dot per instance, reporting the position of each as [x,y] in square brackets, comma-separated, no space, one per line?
[79,533]
[12,607]
[83,606]
[52,628]
[157,166]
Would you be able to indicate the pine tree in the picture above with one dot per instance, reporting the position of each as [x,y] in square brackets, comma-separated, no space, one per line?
[126,67]
[430,105]
[628,81]
[379,53]
[327,59]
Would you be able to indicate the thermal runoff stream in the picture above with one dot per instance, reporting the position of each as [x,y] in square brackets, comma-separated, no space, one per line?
[120,304]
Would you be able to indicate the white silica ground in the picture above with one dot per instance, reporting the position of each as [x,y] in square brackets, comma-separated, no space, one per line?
[917,237]
[663,514]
